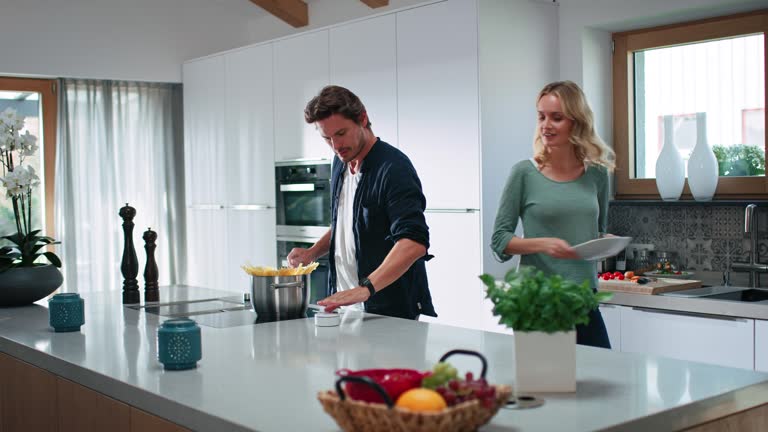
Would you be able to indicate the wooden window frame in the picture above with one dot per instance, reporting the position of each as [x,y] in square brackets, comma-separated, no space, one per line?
[47,90]
[625,44]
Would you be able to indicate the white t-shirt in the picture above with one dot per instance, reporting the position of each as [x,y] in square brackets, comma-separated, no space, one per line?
[344,253]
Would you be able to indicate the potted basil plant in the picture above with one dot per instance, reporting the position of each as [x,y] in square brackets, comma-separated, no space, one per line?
[543,311]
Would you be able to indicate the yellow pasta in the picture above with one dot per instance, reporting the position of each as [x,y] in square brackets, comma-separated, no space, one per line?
[283,271]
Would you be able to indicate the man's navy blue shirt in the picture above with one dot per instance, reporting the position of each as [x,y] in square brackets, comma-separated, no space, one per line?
[388,206]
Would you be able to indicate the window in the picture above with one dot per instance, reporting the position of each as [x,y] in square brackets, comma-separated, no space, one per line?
[715,67]
[34,99]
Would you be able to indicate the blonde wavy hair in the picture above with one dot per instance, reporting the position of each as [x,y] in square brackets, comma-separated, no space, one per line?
[587,145]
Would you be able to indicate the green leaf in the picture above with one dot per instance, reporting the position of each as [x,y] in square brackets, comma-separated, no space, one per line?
[53,259]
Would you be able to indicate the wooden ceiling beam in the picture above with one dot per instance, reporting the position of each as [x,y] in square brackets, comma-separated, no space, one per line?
[293,12]
[373,4]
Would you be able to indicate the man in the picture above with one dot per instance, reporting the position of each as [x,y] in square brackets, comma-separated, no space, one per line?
[378,240]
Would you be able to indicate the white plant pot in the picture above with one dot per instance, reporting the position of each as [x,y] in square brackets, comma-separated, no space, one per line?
[670,169]
[702,165]
[545,362]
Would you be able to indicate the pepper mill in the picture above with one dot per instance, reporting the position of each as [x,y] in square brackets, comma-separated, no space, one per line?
[151,293]
[130,264]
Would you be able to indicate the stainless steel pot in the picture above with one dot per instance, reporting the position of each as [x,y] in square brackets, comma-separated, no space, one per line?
[276,298]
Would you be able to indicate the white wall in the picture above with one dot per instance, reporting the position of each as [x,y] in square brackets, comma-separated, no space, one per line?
[585,38]
[518,56]
[142,40]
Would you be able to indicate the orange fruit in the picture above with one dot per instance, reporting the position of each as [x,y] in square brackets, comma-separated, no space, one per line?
[422,400]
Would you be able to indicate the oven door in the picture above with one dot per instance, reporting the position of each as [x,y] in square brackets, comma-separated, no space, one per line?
[305,204]
[318,280]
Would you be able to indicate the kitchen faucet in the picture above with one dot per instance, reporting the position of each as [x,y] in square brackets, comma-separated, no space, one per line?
[753,266]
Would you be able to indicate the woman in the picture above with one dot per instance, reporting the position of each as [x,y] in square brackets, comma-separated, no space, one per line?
[561,196]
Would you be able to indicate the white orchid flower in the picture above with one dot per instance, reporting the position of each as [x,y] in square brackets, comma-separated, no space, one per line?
[27,144]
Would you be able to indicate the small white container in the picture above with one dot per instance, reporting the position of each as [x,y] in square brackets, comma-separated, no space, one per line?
[324,319]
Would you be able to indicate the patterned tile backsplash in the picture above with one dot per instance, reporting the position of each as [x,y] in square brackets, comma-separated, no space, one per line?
[705,239]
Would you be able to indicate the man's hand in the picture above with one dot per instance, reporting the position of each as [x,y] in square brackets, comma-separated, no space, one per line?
[299,256]
[345,298]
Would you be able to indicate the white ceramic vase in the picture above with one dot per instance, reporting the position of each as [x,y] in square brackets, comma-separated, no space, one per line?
[545,362]
[702,165]
[670,169]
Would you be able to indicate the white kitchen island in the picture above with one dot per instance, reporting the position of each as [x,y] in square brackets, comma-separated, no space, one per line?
[265,377]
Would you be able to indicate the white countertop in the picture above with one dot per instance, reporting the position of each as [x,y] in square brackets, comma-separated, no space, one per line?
[266,376]
[691,300]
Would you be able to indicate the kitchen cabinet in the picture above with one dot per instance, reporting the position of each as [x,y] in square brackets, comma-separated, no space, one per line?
[207,247]
[438,101]
[761,345]
[249,147]
[364,61]
[301,69]
[711,339]
[457,292]
[612,318]
[204,130]
[251,238]
[28,397]
[229,160]
[142,421]
[33,399]
[82,409]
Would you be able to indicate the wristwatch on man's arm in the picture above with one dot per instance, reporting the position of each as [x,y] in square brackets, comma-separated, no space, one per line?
[368,284]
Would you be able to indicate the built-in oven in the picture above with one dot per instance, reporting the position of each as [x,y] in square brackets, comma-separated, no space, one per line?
[318,279]
[303,198]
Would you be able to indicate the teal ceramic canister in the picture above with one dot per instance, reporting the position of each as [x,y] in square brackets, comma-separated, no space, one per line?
[66,312]
[179,345]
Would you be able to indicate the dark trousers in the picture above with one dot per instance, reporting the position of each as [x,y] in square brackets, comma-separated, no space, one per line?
[593,334]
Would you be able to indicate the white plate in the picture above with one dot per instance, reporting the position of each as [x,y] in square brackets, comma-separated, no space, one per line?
[605,247]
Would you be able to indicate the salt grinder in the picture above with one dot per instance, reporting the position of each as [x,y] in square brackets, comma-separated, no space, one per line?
[151,293]
[130,263]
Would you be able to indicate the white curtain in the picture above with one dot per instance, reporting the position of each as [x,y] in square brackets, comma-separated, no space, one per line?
[118,143]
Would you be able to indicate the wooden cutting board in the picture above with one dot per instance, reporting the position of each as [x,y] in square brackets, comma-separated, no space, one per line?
[656,286]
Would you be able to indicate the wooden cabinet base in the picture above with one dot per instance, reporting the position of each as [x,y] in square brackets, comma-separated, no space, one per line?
[33,399]
[755,419]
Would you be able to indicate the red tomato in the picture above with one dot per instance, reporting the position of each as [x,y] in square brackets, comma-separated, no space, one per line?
[617,274]
[607,276]
[620,277]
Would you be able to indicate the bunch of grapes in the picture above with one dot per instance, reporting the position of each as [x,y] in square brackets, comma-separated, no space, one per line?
[441,373]
[457,391]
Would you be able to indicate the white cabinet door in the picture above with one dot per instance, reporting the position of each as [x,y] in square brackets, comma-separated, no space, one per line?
[249,148]
[204,115]
[717,340]
[251,239]
[612,318]
[437,90]
[301,70]
[363,60]
[761,345]
[457,292]
[206,248]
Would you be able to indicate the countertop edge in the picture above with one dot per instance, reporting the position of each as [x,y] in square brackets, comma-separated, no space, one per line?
[704,411]
[691,304]
[119,390]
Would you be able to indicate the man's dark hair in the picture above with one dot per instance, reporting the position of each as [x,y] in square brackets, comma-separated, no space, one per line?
[334,100]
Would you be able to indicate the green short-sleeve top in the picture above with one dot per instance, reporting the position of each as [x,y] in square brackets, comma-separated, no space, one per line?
[575,211]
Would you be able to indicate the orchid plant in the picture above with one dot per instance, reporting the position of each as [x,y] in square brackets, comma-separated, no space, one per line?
[19,180]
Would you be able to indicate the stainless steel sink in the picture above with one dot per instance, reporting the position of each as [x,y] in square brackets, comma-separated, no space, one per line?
[739,294]
[747,295]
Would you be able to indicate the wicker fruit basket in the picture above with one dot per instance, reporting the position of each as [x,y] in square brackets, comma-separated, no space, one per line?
[353,415]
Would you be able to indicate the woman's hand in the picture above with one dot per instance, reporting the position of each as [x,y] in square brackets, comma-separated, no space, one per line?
[557,248]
